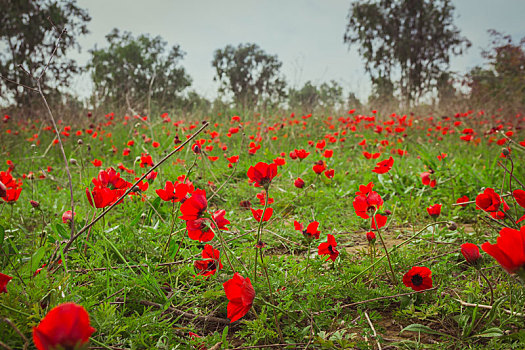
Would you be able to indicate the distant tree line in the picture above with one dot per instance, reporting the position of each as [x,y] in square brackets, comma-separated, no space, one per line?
[406,46]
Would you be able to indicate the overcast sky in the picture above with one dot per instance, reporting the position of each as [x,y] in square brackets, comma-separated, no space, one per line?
[306,35]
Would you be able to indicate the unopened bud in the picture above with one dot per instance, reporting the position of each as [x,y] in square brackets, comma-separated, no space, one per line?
[505,151]
[80,142]
[452,226]
[34,204]
[73,161]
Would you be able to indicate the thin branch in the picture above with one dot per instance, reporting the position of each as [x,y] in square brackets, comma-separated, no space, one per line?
[19,84]
[375,299]
[488,307]
[183,313]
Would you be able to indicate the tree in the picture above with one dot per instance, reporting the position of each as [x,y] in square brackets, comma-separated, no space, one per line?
[327,95]
[250,74]
[28,34]
[504,78]
[138,72]
[411,38]
[306,98]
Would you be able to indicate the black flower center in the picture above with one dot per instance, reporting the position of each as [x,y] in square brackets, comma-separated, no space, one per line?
[331,249]
[417,280]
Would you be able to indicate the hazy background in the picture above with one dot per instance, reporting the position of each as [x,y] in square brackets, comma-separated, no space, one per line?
[307,35]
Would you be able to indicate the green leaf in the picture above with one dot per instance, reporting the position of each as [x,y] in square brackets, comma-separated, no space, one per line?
[36,258]
[61,231]
[2,236]
[416,327]
[490,333]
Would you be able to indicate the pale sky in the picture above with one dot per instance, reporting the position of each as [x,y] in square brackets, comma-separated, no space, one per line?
[306,35]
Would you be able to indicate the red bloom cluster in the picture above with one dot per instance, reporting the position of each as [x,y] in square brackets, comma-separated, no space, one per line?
[109,187]
[367,202]
[199,227]
[427,181]
[10,188]
[64,327]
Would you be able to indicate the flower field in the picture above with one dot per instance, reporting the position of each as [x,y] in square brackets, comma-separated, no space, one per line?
[362,229]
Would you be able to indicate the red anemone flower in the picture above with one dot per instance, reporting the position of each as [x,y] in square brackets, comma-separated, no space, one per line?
[301,153]
[328,248]
[319,167]
[257,214]
[198,230]
[491,202]
[384,166]
[462,201]
[101,197]
[509,250]
[418,278]
[378,221]
[195,206]
[175,192]
[425,179]
[471,252]
[211,263]
[64,327]
[329,173]
[96,162]
[4,280]
[434,210]
[311,230]
[299,183]
[240,293]
[367,201]
[371,237]
[262,174]
[67,217]
[519,196]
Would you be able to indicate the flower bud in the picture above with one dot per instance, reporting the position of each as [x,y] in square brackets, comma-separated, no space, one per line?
[34,204]
[299,183]
[371,237]
[471,252]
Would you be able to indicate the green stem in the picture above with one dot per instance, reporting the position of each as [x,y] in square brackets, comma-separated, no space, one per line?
[259,229]
[263,265]
[223,243]
[394,279]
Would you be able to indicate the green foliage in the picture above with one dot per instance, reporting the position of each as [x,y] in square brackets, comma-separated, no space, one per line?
[309,97]
[250,74]
[138,71]
[504,79]
[412,39]
[28,38]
